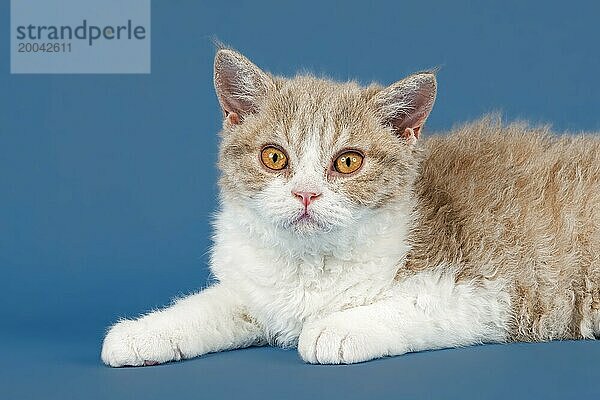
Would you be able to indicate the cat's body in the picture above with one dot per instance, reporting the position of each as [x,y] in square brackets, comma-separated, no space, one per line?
[521,205]
[488,234]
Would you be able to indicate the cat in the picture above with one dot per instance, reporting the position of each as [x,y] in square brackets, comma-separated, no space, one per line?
[344,233]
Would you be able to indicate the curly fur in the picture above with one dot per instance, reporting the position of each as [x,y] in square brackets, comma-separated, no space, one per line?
[489,233]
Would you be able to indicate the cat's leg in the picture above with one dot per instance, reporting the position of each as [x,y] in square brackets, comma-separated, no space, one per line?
[209,321]
[426,311]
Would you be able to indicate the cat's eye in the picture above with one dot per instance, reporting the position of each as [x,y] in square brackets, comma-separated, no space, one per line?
[348,162]
[273,158]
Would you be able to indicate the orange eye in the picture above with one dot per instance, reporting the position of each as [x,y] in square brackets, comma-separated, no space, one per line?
[273,158]
[348,162]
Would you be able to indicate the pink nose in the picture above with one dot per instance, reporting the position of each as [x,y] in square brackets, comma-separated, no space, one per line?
[306,197]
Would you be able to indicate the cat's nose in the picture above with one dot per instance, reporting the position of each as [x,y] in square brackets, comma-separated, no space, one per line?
[305,197]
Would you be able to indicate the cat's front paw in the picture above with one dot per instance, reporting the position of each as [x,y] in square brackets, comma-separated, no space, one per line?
[135,343]
[337,341]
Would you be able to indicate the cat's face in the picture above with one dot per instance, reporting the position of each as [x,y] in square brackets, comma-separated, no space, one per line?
[309,155]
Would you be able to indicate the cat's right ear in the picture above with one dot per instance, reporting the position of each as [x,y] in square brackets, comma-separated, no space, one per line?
[240,85]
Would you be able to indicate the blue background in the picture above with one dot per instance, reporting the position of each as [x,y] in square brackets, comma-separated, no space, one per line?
[108,182]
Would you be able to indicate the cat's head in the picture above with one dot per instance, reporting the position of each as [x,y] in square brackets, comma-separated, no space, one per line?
[309,155]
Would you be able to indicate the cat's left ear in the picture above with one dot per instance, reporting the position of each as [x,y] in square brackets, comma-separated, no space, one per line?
[405,105]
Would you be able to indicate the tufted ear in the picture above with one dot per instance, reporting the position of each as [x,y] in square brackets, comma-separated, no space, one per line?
[240,85]
[405,105]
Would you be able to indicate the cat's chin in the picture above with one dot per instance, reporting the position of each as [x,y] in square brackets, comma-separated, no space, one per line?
[306,225]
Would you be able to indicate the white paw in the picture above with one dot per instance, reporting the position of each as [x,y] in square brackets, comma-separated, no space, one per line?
[135,343]
[336,341]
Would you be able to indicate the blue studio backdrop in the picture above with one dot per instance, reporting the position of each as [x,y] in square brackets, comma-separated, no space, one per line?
[108,183]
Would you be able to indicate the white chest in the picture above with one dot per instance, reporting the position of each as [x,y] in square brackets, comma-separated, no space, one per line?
[283,287]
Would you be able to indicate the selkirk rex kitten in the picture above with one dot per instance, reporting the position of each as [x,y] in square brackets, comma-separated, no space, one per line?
[345,234]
